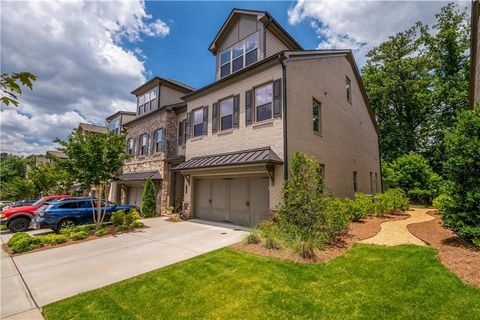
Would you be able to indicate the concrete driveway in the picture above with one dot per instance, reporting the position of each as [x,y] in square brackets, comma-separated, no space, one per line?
[43,277]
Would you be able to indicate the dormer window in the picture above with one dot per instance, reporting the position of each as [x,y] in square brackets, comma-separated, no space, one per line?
[239,55]
[146,102]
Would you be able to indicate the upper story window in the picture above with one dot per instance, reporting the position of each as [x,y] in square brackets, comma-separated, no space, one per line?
[348,89]
[159,140]
[239,55]
[146,101]
[316,112]
[263,102]
[130,146]
[143,145]
[226,114]
[198,122]
[114,126]
[182,132]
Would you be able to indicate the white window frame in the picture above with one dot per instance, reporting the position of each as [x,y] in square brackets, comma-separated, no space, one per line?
[143,144]
[257,105]
[161,142]
[195,123]
[130,147]
[244,55]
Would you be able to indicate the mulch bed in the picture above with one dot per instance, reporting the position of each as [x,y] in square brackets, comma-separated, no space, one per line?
[92,236]
[460,257]
[357,231]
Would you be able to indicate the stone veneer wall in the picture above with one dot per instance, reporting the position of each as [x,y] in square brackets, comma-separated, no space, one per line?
[155,161]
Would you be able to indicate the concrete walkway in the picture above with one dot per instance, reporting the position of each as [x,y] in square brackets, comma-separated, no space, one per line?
[58,273]
[394,233]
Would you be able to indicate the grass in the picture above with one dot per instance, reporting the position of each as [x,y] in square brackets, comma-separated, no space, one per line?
[367,282]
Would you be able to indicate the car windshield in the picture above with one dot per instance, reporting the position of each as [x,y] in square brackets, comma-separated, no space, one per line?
[36,203]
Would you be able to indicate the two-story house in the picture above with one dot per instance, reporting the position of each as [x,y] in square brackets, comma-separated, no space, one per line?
[270,99]
[152,142]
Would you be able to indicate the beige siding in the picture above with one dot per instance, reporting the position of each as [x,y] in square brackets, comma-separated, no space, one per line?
[349,141]
[273,44]
[242,28]
[269,133]
[169,96]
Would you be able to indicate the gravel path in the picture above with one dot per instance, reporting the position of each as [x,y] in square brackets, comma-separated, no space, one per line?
[393,233]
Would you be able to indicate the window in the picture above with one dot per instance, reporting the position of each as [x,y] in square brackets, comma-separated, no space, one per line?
[69,205]
[316,111]
[348,88]
[114,126]
[144,101]
[376,183]
[226,114]
[159,138]
[263,102]
[322,170]
[143,145]
[355,181]
[130,146]
[182,132]
[240,55]
[371,182]
[198,122]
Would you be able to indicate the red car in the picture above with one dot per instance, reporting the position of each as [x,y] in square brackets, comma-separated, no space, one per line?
[18,219]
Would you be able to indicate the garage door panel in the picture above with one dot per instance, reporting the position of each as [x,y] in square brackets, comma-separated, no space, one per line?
[239,201]
[203,208]
[259,199]
[220,199]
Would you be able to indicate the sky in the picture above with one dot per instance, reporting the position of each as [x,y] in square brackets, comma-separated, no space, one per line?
[90,55]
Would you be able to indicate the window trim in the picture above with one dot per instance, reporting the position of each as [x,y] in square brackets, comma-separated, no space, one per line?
[219,124]
[130,149]
[194,124]
[155,136]
[319,117]
[142,151]
[255,106]
[243,55]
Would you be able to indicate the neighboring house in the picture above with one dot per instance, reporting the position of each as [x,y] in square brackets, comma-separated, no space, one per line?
[116,121]
[50,156]
[153,144]
[87,127]
[270,99]
[475,54]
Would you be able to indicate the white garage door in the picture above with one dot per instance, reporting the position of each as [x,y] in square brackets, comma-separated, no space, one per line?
[242,201]
[135,196]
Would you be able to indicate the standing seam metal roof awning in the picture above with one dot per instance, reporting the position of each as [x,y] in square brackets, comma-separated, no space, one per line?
[140,176]
[254,156]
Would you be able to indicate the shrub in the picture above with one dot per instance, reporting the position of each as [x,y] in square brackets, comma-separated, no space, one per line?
[390,202]
[174,218]
[86,227]
[413,172]
[252,238]
[118,217]
[149,206]
[273,242]
[3,227]
[339,219]
[101,232]
[132,216]
[122,228]
[79,235]
[137,224]
[22,242]
[53,239]
[66,231]
[442,202]
[461,168]
[305,248]
[360,207]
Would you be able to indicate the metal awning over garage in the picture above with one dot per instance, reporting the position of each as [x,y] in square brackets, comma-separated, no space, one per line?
[140,176]
[245,157]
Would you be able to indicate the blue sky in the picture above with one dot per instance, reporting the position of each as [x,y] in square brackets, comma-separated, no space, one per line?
[183,54]
[89,55]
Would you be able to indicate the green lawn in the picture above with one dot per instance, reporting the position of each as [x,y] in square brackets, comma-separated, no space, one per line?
[368,282]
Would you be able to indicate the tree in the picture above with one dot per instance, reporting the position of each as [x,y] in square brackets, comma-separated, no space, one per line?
[10,86]
[149,206]
[18,188]
[50,178]
[12,166]
[462,169]
[413,174]
[94,160]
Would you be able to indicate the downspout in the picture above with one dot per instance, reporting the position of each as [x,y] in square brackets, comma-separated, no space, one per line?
[285,136]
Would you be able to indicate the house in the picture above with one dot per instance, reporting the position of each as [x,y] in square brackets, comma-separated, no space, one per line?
[270,99]
[153,144]
[116,121]
[87,127]
[475,54]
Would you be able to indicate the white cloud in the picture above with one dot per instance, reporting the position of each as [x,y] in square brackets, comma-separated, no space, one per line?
[85,74]
[360,25]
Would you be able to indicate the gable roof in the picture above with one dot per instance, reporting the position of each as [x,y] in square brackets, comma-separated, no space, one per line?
[167,81]
[264,16]
[92,128]
[128,113]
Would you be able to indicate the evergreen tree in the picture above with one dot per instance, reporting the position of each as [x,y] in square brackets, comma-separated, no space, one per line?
[149,206]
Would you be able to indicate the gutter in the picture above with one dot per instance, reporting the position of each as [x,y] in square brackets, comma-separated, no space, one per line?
[284,107]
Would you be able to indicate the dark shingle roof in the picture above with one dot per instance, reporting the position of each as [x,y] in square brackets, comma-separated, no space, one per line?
[140,176]
[254,156]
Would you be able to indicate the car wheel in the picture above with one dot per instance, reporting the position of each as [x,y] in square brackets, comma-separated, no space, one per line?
[19,224]
[66,223]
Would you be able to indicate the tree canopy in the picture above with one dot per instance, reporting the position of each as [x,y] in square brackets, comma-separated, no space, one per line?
[11,86]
